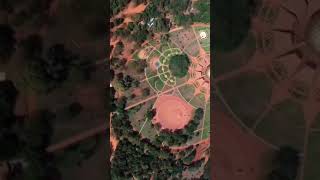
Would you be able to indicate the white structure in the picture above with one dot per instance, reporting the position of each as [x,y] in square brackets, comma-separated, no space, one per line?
[151,22]
[203,35]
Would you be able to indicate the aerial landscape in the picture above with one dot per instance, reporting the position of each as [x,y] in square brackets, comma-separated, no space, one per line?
[267,88]
[160,89]
[52,89]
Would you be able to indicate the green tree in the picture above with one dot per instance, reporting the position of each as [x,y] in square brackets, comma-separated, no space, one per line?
[183,20]
[117,5]
[117,64]
[232,23]
[161,25]
[137,66]
[151,113]
[146,92]
[32,47]
[207,170]
[118,49]
[203,8]
[179,65]
[49,72]
[8,95]
[7,42]
[188,159]
[118,21]
[286,163]
[11,145]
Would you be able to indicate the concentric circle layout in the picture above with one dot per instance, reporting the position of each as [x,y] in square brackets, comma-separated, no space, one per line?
[275,93]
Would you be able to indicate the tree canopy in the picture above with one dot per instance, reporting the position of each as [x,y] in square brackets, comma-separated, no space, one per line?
[286,163]
[179,65]
[7,42]
[49,71]
[203,8]
[8,95]
[180,137]
[232,23]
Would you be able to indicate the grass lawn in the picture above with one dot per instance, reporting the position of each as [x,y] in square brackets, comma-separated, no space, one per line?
[154,81]
[228,62]
[164,47]
[193,48]
[148,131]
[153,54]
[247,95]
[205,43]
[176,51]
[167,52]
[171,81]
[182,80]
[206,126]
[150,73]
[135,56]
[284,125]
[163,60]
[187,91]
[198,101]
[159,85]
[206,48]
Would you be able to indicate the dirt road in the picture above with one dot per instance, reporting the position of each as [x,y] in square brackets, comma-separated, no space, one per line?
[76,138]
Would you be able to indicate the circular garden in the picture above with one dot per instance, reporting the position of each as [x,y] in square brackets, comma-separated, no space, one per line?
[275,92]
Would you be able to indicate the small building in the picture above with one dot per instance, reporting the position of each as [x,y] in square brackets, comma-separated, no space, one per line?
[151,22]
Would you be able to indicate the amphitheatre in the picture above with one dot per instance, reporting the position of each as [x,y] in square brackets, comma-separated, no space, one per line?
[176,98]
[277,75]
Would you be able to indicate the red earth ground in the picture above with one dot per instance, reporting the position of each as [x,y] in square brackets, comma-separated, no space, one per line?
[237,155]
[131,10]
[172,112]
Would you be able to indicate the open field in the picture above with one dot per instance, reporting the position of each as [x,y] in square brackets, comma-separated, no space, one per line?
[279,105]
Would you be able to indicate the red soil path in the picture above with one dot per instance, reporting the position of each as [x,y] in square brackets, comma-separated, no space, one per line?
[201,150]
[128,49]
[237,154]
[132,9]
[172,112]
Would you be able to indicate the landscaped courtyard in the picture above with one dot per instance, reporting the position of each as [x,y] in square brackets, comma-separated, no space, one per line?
[178,72]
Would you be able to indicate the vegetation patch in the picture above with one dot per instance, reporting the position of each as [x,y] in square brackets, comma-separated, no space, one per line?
[203,14]
[181,136]
[232,23]
[206,125]
[284,125]
[312,157]
[253,95]
[198,101]
[187,91]
[179,65]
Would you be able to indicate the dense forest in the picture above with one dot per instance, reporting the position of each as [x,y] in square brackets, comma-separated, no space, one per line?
[157,11]
[158,160]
